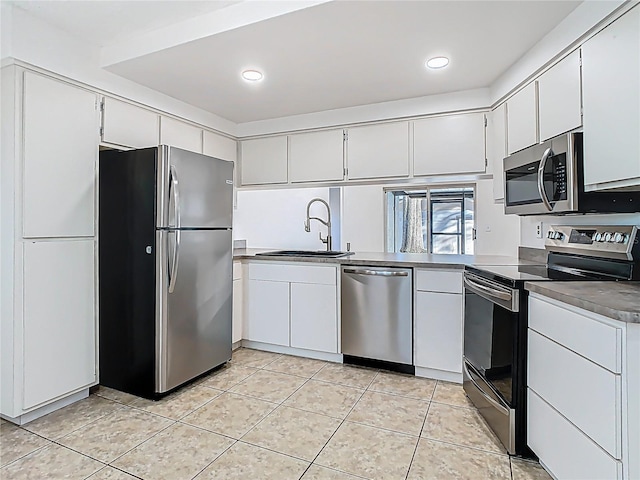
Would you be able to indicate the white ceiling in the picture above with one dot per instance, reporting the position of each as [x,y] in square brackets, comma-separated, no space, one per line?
[105,22]
[328,56]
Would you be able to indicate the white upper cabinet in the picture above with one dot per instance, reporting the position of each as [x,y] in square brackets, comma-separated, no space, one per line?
[559,97]
[129,125]
[611,98]
[378,151]
[449,144]
[219,146]
[316,156]
[61,136]
[522,119]
[180,134]
[497,147]
[264,160]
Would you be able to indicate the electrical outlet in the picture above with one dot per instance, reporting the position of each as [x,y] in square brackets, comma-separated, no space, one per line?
[539,230]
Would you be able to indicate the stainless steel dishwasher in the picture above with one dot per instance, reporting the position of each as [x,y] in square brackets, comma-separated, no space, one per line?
[377,309]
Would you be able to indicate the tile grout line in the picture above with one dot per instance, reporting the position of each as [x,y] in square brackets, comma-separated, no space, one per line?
[259,422]
[339,426]
[424,422]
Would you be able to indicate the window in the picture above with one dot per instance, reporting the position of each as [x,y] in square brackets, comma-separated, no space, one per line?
[431,220]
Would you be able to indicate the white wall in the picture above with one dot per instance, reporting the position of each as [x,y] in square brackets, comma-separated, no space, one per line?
[496,233]
[275,218]
[528,224]
[28,39]
[411,107]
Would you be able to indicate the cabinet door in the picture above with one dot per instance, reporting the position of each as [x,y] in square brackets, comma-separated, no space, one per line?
[611,96]
[316,157]
[219,146]
[363,218]
[497,147]
[559,97]
[314,317]
[449,144]
[61,137]
[264,161]
[268,318]
[378,151]
[180,134]
[438,331]
[59,319]
[522,119]
[128,125]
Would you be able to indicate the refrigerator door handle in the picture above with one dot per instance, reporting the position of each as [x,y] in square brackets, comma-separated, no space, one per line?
[173,275]
[173,182]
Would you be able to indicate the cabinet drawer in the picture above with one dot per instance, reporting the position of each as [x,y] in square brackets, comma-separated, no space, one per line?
[600,343]
[293,273]
[439,281]
[564,449]
[586,394]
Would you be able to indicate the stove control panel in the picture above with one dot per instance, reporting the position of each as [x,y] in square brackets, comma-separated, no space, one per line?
[614,241]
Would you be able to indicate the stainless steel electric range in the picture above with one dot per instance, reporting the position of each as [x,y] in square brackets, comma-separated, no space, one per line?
[495,317]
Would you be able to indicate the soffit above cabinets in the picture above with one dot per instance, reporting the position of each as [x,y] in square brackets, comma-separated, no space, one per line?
[324,55]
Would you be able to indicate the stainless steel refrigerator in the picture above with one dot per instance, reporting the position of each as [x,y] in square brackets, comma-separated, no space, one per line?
[165,267]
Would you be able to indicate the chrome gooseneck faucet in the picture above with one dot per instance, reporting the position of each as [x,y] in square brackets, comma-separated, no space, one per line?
[307,223]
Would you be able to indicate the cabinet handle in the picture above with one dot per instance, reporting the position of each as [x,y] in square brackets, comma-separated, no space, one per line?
[380,273]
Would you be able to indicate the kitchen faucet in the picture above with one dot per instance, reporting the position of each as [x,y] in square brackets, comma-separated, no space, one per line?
[307,223]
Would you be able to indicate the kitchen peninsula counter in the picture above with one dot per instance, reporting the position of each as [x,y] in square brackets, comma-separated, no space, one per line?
[417,260]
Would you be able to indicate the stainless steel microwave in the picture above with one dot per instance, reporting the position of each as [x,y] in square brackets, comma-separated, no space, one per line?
[548,178]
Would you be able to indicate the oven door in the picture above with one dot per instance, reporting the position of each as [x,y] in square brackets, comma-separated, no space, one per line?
[540,179]
[491,316]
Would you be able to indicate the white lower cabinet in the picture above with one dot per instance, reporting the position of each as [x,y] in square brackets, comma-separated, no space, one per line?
[582,391]
[563,448]
[438,318]
[293,306]
[314,321]
[59,327]
[238,303]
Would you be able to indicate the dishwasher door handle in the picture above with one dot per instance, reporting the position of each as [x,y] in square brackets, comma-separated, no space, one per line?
[380,273]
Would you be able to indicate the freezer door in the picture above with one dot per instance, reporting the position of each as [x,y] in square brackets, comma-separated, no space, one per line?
[194,190]
[193,330]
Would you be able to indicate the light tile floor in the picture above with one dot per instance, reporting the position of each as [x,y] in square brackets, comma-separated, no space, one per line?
[268,416]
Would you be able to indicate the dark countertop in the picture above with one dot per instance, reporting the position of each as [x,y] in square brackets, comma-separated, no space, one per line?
[616,300]
[388,259]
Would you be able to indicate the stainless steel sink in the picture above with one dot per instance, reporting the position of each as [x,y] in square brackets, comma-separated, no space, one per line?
[305,253]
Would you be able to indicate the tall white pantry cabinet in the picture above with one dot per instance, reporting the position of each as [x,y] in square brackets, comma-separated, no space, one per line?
[50,133]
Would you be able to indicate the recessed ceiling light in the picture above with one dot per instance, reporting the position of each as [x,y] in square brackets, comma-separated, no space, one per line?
[437,62]
[252,75]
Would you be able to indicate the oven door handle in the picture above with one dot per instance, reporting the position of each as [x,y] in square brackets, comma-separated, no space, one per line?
[543,194]
[500,407]
[488,290]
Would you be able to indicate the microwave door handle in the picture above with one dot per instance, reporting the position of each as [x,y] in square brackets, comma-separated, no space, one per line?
[543,194]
